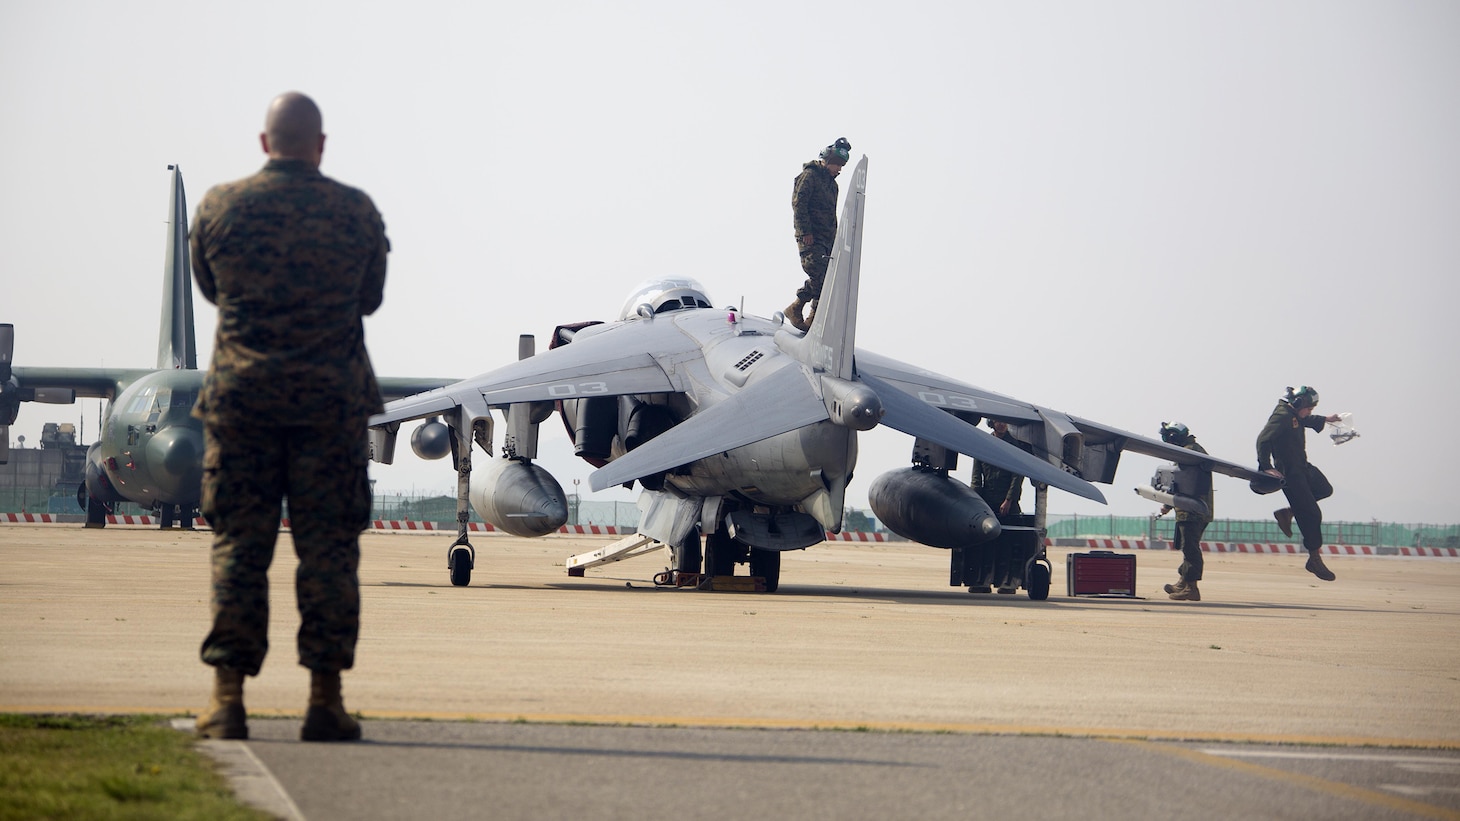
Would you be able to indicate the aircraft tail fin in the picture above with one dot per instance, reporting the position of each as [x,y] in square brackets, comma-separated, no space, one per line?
[177,345]
[830,342]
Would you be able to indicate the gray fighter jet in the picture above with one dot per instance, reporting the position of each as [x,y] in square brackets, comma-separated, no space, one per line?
[742,432]
[151,447]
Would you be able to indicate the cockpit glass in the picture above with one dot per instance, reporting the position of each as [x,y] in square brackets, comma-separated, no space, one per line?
[666,294]
[144,402]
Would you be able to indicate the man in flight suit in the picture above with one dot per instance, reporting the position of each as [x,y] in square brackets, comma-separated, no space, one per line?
[1190,525]
[293,260]
[813,203]
[1282,450]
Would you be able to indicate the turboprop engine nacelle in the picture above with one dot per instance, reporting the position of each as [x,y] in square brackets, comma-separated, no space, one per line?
[519,498]
[932,509]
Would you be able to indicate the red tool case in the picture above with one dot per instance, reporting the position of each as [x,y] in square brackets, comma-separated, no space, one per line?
[1101,573]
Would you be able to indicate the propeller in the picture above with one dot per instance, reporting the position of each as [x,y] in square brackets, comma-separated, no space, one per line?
[9,402]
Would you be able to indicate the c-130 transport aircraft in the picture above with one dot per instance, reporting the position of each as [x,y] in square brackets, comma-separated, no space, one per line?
[743,433]
[151,448]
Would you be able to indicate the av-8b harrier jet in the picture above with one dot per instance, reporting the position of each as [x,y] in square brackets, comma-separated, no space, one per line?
[742,433]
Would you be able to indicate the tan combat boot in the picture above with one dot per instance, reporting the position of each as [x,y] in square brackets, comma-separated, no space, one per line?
[793,315]
[326,719]
[224,716]
[1183,591]
[811,317]
[1316,566]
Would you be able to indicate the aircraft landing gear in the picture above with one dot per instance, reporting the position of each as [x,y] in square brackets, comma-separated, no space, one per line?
[1038,581]
[460,559]
[96,510]
[767,565]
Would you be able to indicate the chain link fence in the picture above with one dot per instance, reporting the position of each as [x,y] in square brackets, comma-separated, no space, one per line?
[624,517]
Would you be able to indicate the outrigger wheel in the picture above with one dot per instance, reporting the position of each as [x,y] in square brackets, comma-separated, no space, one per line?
[460,558]
[1038,583]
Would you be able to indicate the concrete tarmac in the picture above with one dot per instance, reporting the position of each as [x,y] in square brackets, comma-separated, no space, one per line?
[860,637]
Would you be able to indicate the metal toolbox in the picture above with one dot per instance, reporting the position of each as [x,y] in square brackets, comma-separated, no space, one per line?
[1101,573]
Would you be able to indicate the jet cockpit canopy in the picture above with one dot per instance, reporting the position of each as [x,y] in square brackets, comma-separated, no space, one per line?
[666,294]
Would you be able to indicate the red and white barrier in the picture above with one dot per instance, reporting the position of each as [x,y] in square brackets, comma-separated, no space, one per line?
[1283,548]
[609,530]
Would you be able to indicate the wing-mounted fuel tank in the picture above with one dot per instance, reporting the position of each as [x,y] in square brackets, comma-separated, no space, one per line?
[519,497]
[431,439]
[930,508]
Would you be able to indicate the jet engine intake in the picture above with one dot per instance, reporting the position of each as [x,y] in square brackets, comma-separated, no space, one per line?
[928,507]
[519,498]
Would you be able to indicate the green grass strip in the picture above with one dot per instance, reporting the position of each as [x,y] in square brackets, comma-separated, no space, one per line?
[111,767]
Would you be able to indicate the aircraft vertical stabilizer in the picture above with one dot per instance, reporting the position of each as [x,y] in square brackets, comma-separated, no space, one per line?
[829,344]
[176,345]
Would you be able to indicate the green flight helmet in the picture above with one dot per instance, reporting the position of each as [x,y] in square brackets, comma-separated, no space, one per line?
[1303,397]
[1174,433]
[841,151]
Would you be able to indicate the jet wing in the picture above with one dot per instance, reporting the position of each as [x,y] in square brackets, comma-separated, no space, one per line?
[942,391]
[777,403]
[1179,455]
[951,394]
[612,362]
[906,413]
[398,387]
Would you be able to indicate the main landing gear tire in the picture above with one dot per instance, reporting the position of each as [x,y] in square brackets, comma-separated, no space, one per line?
[767,565]
[460,566]
[1038,584]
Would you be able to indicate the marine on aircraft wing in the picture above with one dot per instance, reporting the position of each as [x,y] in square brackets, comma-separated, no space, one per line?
[151,448]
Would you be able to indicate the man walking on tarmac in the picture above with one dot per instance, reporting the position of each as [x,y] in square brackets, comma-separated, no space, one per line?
[1282,450]
[1190,524]
[293,260]
[813,203]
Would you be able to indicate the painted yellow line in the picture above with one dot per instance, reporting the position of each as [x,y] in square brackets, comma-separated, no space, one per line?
[1322,785]
[765,723]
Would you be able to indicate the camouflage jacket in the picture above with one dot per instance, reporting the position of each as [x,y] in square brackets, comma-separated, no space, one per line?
[293,260]
[813,201]
[1283,441]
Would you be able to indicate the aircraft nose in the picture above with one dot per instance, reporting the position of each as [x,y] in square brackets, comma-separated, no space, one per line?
[175,460]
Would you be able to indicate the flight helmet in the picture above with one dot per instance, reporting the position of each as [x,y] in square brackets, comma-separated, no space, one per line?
[1303,397]
[841,150]
[1174,433]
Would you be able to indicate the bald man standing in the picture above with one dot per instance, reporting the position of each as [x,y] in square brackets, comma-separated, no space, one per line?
[293,260]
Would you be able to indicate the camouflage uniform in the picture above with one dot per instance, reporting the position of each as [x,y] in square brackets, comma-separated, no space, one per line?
[813,201]
[994,484]
[293,260]
[1283,444]
[1190,526]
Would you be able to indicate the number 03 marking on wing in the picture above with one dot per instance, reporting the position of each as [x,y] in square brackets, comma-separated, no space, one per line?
[579,389]
[948,400]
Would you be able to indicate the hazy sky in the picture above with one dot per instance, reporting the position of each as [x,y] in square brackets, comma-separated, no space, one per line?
[1134,212]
